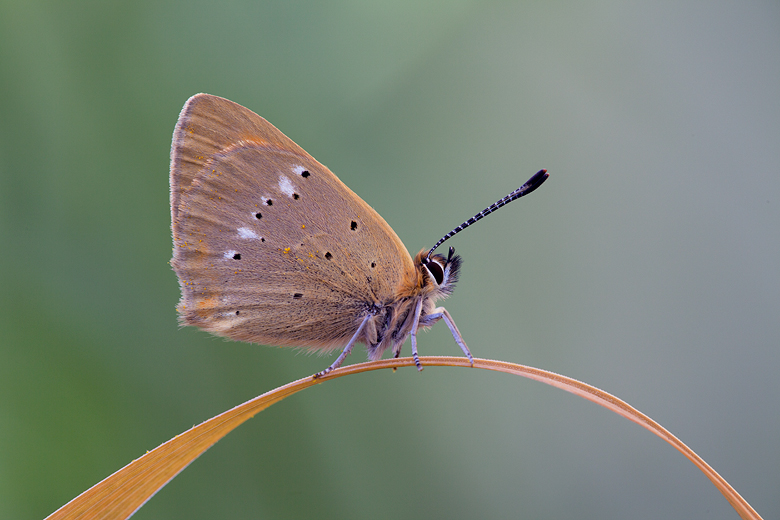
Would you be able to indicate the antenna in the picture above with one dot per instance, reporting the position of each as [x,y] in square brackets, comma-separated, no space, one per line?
[533,183]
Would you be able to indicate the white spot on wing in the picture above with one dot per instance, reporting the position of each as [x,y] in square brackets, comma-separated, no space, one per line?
[229,254]
[299,170]
[247,233]
[286,186]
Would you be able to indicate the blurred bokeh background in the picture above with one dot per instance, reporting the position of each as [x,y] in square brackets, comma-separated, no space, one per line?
[648,265]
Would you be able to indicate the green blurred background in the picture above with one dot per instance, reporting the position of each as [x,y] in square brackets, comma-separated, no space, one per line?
[648,265]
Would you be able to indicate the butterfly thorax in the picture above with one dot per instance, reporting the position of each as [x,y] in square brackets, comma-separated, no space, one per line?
[431,279]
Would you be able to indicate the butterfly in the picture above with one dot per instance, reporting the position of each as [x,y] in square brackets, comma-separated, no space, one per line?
[270,247]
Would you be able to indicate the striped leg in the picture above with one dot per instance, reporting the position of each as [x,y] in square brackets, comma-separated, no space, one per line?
[346,351]
[442,313]
[415,325]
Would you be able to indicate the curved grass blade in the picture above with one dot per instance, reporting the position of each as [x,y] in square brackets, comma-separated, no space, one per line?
[123,493]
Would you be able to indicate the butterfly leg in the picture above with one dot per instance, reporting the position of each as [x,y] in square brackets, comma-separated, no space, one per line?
[441,313]
[398,343]
[415,325]
[346,351]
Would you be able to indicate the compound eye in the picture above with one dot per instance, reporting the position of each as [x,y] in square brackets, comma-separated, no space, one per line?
[436,270]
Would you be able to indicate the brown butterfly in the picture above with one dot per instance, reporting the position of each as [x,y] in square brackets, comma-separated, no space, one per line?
[270,247]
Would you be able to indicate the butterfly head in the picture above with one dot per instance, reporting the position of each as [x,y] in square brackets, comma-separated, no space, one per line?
[439,273]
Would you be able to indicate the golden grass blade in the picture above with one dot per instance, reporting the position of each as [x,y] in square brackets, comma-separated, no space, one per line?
[620,407]
[124,492]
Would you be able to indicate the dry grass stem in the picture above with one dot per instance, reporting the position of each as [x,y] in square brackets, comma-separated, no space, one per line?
[124,492]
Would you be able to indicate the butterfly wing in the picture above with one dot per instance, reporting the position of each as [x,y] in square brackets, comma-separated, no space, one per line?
[269,246]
